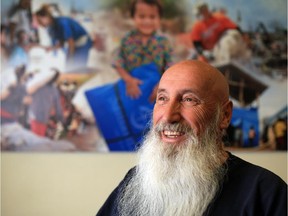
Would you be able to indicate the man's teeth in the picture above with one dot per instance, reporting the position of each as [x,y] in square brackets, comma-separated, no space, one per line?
[173,133]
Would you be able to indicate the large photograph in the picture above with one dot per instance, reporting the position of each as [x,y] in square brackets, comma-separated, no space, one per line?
[82,76]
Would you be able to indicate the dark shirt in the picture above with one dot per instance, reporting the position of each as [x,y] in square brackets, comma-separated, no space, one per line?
[11,106]
[44,100]
[65,28]
[247,190]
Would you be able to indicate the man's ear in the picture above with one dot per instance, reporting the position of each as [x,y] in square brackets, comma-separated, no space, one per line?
[226,115]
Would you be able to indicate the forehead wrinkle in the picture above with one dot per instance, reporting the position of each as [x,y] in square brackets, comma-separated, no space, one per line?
[160,90]
[215,81]
[209,78]
[180,91]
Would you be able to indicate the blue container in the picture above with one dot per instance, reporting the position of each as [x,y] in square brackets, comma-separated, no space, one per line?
[122,120]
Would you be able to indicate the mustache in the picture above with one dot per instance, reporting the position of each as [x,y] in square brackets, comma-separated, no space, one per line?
[177,127]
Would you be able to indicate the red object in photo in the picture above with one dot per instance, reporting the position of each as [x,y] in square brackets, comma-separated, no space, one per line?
[38,128]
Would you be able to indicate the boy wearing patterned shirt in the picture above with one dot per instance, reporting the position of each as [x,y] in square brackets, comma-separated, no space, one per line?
[142,45]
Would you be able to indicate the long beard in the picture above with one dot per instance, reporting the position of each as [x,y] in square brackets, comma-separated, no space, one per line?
[173,180]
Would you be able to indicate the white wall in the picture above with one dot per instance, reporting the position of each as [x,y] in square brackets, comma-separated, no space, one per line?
[77,184]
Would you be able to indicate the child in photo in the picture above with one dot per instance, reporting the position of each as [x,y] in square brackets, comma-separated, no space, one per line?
[143,45]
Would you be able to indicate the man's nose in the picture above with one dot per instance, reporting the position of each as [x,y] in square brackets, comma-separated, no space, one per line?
[172,112]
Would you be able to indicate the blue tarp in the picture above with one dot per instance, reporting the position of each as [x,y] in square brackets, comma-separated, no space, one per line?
[122,120]
[245,118]
[18,57]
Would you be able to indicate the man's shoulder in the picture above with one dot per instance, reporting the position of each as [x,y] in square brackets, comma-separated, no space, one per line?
[111,204]
[125,181]
[129,174]
[249,189]
[243,169]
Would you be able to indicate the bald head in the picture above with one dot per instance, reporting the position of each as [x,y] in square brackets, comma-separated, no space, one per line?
[192,92]
[201,75]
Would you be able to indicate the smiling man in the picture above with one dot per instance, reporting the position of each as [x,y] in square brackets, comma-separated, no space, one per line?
[183,169]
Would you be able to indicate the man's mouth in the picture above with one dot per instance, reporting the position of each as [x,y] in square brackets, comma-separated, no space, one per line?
[172,136]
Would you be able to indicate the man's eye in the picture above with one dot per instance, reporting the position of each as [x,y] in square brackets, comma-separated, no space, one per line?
[161,99]
[190,101]
[187,100]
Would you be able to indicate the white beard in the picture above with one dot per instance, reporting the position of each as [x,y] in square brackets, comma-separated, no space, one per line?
[175,180]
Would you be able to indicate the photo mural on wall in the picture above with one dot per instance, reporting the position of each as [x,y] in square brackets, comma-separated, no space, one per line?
[62,83]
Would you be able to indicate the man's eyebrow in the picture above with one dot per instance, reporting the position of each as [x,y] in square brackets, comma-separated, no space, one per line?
[160,90]
[185,91]
[182,91]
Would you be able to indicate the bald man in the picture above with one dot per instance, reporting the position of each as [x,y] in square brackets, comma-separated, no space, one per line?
[183,169]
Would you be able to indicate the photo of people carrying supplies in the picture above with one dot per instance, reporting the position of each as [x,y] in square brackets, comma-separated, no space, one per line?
[83,76]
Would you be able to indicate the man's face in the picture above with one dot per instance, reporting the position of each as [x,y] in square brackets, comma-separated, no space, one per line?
[146,18]
[183,97]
